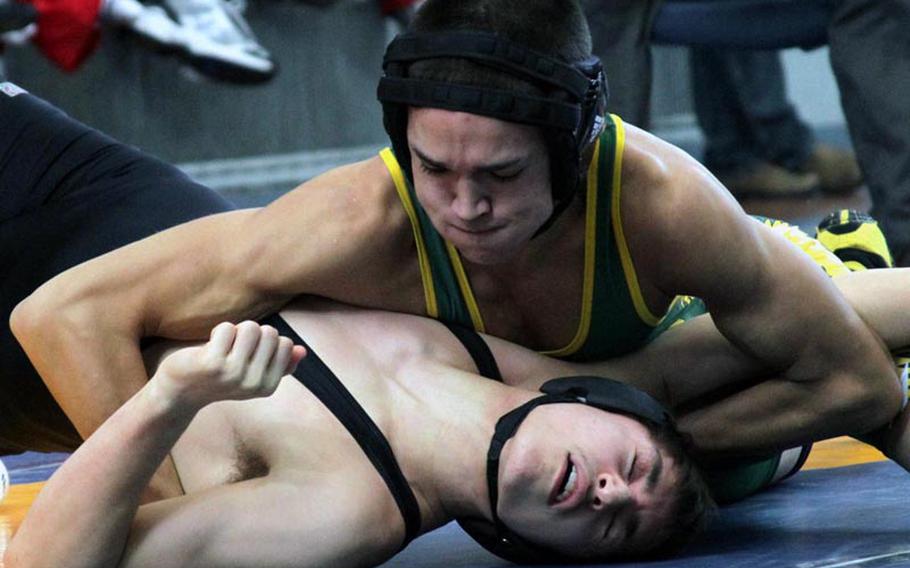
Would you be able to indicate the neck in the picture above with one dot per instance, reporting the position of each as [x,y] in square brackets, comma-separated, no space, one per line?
[449,436]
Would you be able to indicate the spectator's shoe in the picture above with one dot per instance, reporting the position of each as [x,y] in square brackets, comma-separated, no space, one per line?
[220,43]
[18,37]
[856,239]
[16,15]
[763,179]
[209,35]
[837,169]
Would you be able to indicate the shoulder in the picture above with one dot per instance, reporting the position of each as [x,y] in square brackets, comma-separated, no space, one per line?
[672,207]
[659,176]
[361,194]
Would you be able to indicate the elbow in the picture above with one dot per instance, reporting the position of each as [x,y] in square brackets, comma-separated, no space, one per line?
[45,314]
[868,403]
[26,318]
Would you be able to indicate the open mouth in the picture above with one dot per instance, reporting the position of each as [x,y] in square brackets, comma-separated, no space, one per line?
[567,482]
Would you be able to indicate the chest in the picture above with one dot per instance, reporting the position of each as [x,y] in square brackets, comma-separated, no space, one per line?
[540,308]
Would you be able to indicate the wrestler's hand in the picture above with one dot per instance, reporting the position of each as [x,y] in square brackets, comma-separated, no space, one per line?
[239,362]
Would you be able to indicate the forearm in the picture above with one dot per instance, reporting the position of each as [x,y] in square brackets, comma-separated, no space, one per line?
[83,515]
[91,367]
[820,396]
[681,365]
[684,364]
[777,414]
[828,371]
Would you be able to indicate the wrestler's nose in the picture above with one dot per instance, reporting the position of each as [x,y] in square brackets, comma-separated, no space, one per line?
[470,201]
[610,491]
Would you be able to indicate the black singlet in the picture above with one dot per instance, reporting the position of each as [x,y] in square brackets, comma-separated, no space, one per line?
[316,376]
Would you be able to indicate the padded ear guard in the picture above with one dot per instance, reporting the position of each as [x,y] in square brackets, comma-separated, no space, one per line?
[600,392]
[612,396]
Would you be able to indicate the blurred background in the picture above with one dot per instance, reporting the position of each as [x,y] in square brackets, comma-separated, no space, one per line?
[319,110]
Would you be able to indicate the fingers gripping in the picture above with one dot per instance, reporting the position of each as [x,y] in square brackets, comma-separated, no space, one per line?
[221,339]
[252,357]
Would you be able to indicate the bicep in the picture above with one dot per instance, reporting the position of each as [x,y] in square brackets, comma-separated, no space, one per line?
[758,286]
[258,522]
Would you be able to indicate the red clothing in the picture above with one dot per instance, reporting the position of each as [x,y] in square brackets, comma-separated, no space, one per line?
[67,30]
[391,6]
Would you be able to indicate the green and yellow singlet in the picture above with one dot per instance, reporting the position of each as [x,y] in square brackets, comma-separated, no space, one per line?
[614,318]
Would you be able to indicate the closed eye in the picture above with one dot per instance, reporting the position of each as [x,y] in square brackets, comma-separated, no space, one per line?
[431,170]
[505,177]
[632,468]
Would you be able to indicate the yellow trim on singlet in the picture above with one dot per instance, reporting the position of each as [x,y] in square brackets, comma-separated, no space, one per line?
[587,289]
[429,291]
[464,284]
[625,256]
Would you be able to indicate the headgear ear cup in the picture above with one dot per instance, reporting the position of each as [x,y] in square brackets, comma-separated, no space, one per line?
[600,392]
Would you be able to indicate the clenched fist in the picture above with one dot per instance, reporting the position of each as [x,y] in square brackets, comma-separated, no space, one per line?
[239,362]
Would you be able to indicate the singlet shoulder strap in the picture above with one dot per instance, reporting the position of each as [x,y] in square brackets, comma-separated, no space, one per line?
[322,382]
[448,293]
[477,349]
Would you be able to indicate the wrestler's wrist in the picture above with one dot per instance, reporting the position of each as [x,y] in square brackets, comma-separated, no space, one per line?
[167,398]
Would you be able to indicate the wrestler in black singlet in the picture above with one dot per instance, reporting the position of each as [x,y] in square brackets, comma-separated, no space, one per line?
[67,194]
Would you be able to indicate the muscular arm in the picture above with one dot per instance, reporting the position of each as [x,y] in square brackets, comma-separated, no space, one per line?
[82,329]
[83,515]
[768,299]
[693,360]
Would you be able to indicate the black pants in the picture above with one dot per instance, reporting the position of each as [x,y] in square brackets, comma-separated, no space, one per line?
[620,35]
[741,104]
[870,55]
[68,194]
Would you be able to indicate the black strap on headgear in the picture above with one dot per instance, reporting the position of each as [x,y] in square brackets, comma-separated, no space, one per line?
[572,119]
[599,392]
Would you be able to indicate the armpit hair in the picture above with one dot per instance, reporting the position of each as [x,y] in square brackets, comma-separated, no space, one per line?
[249,464]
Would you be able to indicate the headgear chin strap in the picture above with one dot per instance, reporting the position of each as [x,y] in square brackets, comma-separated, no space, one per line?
[599,392]
[572,119]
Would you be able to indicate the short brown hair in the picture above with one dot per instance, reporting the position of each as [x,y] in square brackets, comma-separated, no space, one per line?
[692,504]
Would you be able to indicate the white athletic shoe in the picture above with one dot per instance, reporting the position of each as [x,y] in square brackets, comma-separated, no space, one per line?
[210,35]
[220,40]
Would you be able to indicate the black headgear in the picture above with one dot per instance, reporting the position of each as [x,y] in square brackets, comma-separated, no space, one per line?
[599,392]
[571,113]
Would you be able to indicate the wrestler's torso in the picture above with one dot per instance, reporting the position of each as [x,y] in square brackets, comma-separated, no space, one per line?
[292,437]
[574,292]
